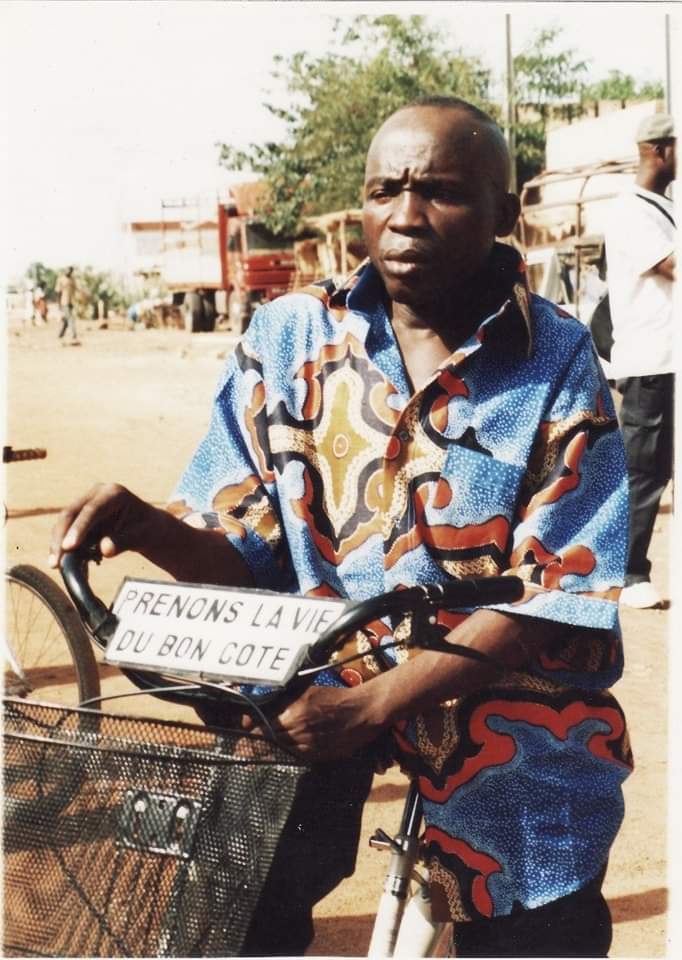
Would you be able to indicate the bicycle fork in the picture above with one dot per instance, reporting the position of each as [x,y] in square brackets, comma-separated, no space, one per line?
[404,926]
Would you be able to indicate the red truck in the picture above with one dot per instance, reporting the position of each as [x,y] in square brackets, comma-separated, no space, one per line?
[215,262]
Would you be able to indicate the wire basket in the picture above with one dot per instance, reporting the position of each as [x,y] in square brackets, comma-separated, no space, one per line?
[135,837]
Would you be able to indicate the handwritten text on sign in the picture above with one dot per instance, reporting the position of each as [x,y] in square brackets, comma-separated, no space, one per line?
[247,636]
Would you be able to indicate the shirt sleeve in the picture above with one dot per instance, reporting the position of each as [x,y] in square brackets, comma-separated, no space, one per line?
[570,531]
[641,236]
[229,483]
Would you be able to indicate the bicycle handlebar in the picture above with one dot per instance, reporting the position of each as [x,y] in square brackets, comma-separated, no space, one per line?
[10,455]
[476,592]
[422,601]
[93,612]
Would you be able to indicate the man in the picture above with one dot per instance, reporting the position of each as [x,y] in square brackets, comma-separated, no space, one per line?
[66,290]
[430,420]
[640,251]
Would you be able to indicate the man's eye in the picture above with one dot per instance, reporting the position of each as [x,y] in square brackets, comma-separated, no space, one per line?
[381,193]
[443,194]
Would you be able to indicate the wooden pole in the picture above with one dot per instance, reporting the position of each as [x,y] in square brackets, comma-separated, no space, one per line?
[510,127]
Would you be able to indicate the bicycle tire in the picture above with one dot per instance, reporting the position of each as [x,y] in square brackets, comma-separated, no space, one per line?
[45,638]
[49,648]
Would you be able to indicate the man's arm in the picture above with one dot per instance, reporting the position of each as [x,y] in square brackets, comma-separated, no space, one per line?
[328,722]
[666,267]
[118,520]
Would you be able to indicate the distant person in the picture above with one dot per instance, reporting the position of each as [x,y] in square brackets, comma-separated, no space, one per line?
[39,306]
[640,250]
[133,315]
[28,307]
[66,290]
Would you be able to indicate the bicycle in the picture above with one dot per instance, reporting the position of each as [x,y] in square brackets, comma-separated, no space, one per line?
[163,801]
[10,455]
[44,642]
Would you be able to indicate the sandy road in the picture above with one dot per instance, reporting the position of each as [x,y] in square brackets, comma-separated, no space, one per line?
[130,406]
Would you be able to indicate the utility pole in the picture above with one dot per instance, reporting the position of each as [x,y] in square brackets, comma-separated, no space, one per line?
[509,127]
[668,77]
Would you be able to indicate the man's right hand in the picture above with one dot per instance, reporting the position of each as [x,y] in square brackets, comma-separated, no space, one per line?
[116,520]
[110,514]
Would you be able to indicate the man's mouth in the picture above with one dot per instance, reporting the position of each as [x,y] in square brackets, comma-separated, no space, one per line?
[406,255]
[405,262]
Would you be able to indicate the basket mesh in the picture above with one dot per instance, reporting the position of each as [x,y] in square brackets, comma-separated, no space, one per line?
[135,837]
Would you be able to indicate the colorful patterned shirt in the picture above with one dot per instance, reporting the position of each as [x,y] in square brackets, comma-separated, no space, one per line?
[332,477]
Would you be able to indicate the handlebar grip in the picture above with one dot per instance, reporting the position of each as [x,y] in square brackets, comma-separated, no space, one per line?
[92,611]
[481,591]
[10,455]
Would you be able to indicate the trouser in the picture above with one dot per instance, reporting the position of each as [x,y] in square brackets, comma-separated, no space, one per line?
[646,417]
[317,849]
[68,321]
[578,925]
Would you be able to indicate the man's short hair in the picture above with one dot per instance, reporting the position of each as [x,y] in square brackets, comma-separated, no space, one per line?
[443,102]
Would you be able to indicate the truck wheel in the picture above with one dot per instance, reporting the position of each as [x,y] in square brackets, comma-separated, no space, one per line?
[208,325]
[193,313]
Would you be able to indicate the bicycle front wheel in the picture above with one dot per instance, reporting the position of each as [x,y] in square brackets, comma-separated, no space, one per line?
[48,655]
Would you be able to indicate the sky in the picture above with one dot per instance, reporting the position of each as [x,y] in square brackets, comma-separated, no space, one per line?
[111,107]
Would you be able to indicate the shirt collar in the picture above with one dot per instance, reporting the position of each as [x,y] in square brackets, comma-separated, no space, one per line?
[508,326]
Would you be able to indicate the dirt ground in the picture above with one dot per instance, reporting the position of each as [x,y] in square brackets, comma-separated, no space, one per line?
[130,406]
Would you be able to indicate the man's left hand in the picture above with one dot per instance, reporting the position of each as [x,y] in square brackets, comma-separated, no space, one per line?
[325,723]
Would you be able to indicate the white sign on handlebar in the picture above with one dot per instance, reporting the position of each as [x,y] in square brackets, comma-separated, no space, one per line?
[216,633]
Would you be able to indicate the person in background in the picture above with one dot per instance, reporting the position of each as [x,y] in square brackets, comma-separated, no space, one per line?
[640,251]
[66,290]
[29,308]
[40,306]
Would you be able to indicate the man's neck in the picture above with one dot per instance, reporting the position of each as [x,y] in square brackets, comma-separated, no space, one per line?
[649,180]
[455,316]
[452,325]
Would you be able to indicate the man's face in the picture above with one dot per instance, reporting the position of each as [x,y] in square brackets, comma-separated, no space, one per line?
[434,200]
[670,158]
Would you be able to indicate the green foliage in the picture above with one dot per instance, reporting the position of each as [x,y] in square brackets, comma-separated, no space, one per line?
[337,101]
[92,286]
[621,86]
[44,277]
[546,77]
[96,285]
[548,83]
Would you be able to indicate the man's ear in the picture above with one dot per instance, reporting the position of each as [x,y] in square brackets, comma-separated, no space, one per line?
[508,211]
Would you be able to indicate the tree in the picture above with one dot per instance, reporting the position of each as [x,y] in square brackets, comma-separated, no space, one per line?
[44,277]
[622,87]
[95,285]
[548,83]
[338,100]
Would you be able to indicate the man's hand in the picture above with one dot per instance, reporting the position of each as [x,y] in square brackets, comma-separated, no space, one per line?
[328,722]
[325,723]
[110,513]
[118,520]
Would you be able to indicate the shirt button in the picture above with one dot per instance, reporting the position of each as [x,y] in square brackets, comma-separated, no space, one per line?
[405,435]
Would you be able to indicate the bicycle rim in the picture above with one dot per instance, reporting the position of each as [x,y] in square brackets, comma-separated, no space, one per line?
[49,656]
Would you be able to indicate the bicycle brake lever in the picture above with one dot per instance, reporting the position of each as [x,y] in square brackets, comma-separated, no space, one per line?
[424,635]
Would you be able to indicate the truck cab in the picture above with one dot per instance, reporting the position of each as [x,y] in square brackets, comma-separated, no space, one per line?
[257,265]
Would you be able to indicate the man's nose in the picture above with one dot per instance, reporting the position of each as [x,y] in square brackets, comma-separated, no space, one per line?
[407,211]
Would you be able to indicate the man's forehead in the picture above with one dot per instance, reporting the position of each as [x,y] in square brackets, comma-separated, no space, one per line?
[427,137]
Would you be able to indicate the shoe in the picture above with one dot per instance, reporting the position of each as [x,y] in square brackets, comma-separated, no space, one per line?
[641,596]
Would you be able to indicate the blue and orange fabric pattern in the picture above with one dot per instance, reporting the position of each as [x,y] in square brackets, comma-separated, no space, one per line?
[332,477]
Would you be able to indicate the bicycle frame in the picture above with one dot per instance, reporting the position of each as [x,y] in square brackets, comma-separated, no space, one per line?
[404,926]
